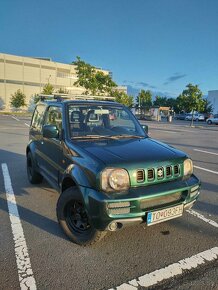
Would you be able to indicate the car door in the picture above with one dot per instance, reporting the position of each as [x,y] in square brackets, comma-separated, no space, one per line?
[35,133]
[51,148]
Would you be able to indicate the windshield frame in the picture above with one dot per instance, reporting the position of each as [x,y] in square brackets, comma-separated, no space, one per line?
[138,127]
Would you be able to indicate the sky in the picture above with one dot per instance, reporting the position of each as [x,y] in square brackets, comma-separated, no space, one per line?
[160,45]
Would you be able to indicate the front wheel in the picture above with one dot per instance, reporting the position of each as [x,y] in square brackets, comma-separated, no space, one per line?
[209,122]
[73,218]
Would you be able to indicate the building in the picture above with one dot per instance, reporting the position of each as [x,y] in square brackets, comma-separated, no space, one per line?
[213,99]
[30,75]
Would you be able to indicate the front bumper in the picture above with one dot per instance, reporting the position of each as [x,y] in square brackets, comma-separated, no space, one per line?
[127,208]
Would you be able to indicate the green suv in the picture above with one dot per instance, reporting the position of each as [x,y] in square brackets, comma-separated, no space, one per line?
[108,171]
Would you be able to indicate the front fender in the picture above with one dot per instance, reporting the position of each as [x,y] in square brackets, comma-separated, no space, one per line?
[80,176]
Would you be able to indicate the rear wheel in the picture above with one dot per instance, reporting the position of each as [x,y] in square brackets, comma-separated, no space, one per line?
[209,122]
[33,176]
[73,218]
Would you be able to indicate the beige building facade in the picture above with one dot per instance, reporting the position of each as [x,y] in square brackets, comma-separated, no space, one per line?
[30,75]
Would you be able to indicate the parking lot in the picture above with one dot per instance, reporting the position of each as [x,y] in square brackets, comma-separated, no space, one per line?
[178,254]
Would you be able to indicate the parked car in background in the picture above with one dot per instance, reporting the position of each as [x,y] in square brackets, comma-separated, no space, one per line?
[196,117]
[199,117]
[213,120]
[180,116]
[188,117]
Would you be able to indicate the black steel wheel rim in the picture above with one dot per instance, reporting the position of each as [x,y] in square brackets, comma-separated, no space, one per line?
[76,217]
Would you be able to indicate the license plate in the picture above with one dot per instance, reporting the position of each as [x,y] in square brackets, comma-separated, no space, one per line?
[159,216]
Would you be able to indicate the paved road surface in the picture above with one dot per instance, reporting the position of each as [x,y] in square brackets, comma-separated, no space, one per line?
[122,257]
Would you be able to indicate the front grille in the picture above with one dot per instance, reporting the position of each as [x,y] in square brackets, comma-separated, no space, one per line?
[158,173]
[176,169]
[140,177]
[160,200]
[151,174]
[168,171]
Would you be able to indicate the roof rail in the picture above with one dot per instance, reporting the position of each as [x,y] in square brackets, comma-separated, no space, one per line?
[61,97]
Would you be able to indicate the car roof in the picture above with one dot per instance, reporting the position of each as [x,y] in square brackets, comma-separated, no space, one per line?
[79,102]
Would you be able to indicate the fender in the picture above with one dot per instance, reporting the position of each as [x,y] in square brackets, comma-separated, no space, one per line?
[31,147]
[78,176]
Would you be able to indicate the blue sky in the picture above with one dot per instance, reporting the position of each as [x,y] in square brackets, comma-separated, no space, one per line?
[161,45]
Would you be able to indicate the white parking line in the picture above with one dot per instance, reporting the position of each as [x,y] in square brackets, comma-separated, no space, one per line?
[25,273]
[200,216]
[163,130]
[15,118]
[170,271]
[205,169]
[203,151]
[27,124]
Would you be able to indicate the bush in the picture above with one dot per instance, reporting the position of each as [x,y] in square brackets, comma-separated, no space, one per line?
[18,99]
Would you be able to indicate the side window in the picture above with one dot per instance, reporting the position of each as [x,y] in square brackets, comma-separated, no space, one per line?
[38,117]
[54,117]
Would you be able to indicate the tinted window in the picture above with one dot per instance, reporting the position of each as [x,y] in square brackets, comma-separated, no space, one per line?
[38,117]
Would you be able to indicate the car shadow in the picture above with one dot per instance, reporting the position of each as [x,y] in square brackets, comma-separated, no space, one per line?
[36,219]
[16,164]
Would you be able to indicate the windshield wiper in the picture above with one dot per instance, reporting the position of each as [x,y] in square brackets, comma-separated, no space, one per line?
[108,137]
[129,136]
[93,137]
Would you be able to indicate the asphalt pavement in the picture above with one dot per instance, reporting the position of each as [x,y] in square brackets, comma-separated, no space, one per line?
[177,254]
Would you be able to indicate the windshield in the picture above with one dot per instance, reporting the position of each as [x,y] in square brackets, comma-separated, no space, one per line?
[102,121]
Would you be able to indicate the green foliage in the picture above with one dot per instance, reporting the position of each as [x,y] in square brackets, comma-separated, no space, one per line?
[48,89]
[144,100]
[35,98]
[62,91]
[123,98]
[95,82]
[160,101]
[191,99]
[18,99]
[172,103]
[208,107]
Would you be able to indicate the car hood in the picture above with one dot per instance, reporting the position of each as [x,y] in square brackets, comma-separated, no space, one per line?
[144,150]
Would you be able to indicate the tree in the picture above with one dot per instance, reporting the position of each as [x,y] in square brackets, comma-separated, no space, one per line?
[62,91]
[48,89]
[207,108]
[160,101]
[94,81]
[18,99]
[191,100]
[144,100]
[123,98]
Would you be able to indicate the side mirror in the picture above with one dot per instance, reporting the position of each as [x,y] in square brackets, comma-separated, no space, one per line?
[50,131]
[145,128]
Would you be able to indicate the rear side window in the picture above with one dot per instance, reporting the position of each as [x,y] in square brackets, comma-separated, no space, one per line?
[38,117]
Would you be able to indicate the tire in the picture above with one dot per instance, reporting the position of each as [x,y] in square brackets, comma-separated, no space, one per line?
[73,219]
[209,122]
[33,176]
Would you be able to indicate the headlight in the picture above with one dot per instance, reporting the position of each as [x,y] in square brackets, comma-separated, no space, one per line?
[188,167]
[114,179]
